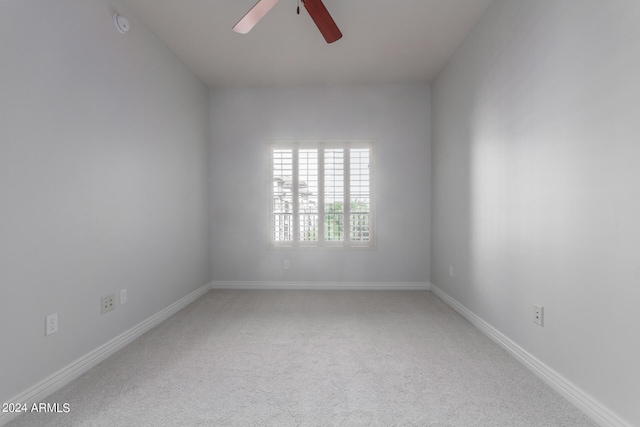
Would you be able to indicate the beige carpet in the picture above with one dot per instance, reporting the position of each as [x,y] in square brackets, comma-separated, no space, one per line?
[311,358]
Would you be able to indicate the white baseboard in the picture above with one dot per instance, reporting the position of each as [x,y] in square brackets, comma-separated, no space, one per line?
[582,400]
[365,286]
[67,374]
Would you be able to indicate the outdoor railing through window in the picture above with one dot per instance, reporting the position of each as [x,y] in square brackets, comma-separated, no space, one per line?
[334,227]
[309,227]
[283,227]
[360,227]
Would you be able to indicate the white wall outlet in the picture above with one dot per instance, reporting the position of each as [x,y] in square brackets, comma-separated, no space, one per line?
[123,296]
[285,264]
[51,324]
[451,270]
[538,315]
[107,303]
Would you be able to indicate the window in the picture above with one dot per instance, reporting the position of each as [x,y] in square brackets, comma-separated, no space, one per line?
[322,194]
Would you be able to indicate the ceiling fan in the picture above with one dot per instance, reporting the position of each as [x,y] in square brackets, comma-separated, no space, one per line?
[316,9]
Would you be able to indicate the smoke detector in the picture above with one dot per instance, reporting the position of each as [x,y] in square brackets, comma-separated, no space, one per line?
[122,23]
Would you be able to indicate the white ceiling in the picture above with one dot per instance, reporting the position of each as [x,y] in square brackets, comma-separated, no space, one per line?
[385,41]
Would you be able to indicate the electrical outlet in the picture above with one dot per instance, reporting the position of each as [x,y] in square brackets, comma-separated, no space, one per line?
[51,324]
[285,264]
[538,315]
[107,303]
[123,296]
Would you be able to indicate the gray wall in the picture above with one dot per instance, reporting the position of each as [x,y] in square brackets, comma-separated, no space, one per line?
[103,181]
[536,186]
[243,121]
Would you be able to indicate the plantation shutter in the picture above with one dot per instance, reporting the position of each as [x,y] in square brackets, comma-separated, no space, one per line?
[322,194]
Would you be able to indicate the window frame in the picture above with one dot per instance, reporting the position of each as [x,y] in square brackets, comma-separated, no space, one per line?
[322,243]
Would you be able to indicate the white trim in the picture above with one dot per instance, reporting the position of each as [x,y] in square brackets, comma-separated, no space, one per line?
[582,400]
[365,286]
[72,371]
[346,205]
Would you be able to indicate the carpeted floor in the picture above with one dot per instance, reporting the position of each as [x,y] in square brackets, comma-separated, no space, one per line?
[311,358]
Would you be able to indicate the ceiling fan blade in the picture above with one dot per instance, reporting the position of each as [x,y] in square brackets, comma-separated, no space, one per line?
[323,20]
[254,16]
